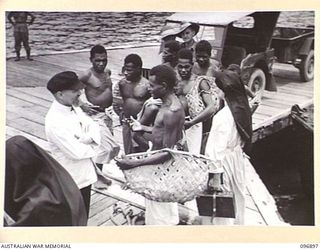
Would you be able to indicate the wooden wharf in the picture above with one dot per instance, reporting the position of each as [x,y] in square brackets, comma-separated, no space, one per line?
[27,102]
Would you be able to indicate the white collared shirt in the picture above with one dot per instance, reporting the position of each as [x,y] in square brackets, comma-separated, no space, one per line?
[63,127]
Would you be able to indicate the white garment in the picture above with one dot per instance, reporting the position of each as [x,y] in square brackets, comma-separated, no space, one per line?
[194,138]
[224,147]
[161,213]
[63,128]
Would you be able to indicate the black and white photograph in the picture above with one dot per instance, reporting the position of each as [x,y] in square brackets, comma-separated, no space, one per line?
[159,118]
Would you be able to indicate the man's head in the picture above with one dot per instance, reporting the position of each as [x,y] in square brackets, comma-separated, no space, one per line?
[185,63]
[170,51]
[132,67]
[203,53]
[66,88]
[188,31]
[162,80]
[229,81]
[98,58]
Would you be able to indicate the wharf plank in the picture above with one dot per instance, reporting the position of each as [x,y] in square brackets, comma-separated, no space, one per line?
[99,207]
[293,91]
[11,115]
[286,95]
[27,126]
[95,197]
[267,109]
[28,98]
[262,198]
[10,131]
[29,114]
[38,92]
[277,104]
[12,102]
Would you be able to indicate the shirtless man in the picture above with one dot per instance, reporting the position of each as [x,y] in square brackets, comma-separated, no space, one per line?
[98,92]
[98,85]
[134,92]
[166,132]
[19,21]
[203,65]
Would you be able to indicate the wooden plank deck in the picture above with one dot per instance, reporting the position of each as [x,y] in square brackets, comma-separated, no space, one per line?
[26,108]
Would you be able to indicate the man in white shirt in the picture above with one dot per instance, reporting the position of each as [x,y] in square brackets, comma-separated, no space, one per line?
[73,136]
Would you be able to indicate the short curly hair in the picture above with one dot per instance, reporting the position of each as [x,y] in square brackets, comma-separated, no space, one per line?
[134,59]
[165,74]
[185,54]
[203,46]
[97,49]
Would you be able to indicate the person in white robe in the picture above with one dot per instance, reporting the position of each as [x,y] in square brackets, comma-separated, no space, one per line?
[229,137]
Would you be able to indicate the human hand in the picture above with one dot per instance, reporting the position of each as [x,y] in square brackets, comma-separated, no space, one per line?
[187,124]
[135,125]
[124,163]
[214,183]
[89,109]
[85,139]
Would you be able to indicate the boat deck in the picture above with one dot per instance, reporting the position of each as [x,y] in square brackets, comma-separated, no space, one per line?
[27,102]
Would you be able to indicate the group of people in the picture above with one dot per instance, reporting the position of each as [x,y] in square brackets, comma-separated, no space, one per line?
[194,106]
[187,103]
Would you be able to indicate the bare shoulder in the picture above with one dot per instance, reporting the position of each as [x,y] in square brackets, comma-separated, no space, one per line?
[85,75]
[108,71]
[204,84]
[175,110]
[173,117]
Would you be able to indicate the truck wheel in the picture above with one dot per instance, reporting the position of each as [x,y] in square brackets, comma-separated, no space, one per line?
[307,67]
[257,82]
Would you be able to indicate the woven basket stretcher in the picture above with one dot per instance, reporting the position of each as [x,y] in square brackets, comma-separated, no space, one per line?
[179,179]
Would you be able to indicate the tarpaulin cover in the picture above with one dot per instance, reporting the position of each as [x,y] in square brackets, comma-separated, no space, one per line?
[38,190]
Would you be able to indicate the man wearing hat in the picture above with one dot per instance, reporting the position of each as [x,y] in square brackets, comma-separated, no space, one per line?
[73,136]
[229,137]
[187,32]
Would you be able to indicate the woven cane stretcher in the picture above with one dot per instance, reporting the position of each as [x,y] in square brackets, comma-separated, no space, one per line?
[179,179]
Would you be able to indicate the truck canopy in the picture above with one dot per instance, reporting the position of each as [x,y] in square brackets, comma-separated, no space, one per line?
[207,18]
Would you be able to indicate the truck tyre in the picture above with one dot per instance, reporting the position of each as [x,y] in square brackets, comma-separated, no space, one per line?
[307,67]
[257,81]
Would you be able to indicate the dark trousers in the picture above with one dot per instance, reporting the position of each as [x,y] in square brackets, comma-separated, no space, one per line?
[86,195]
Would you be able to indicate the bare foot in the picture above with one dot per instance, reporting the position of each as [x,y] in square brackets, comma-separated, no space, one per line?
[100,185]
[17,59]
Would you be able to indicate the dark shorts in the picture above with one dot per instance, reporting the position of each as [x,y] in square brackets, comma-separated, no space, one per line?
[21,34]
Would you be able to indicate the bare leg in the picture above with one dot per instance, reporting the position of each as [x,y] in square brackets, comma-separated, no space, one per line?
[17,45]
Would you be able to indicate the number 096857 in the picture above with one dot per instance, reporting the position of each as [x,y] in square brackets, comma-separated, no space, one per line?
[308,246]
